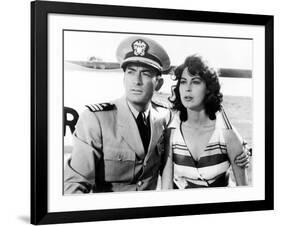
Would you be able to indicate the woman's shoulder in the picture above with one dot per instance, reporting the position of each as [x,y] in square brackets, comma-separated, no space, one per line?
[223,121]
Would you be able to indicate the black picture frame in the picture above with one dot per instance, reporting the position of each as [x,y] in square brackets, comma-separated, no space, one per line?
[39,112]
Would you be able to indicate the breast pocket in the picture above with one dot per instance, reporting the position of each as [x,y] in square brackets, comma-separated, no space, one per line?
[119,165]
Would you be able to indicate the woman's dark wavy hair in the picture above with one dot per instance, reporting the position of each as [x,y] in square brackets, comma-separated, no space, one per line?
[213,98]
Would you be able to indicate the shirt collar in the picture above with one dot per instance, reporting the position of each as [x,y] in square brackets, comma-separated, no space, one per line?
[136,113]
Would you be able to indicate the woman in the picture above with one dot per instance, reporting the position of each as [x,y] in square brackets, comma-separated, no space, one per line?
[200,145]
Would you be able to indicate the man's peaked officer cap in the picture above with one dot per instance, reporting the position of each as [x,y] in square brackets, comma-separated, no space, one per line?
[138,49]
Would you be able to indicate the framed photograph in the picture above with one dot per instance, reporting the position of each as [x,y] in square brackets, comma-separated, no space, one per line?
[78,69]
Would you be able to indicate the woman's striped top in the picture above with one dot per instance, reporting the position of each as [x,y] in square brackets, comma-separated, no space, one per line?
[211,168]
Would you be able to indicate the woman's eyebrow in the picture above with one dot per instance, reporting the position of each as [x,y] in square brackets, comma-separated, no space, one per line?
[196,77]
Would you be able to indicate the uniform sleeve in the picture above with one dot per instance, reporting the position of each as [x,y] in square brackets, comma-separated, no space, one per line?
[80,169]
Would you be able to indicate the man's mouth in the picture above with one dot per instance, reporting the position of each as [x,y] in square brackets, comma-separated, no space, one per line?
[136,90]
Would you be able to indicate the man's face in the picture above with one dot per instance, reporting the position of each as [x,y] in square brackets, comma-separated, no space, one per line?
[140,82]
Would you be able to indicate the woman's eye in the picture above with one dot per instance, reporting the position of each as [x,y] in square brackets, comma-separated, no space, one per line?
[182,81]
[196,81]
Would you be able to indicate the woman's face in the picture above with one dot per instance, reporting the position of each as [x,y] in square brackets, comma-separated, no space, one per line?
[192,91]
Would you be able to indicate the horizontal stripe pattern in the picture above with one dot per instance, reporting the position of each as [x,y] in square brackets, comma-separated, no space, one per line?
[212,166]
[210,172]
[215,146]
[183,183]
[181,152]
[212,160]
[186,171]
[183,160]
[180,147]
[213,152]
[196,183]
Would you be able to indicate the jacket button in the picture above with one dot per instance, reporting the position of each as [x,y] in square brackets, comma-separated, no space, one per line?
[140,183]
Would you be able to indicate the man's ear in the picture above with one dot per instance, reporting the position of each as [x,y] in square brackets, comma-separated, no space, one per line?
[159,84]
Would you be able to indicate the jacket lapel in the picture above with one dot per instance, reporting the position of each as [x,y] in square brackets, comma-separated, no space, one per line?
[127,128]
[156,131]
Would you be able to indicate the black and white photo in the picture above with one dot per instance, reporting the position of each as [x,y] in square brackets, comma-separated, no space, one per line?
[144,112]
[88,82]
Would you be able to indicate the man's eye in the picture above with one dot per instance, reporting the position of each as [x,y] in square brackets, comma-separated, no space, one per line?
[147,74]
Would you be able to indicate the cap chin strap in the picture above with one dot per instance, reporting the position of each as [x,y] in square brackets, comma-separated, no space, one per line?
[145,56]
[143,61]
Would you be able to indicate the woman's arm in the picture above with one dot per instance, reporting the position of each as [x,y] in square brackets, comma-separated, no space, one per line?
[168,172]
[242,159]
[234,148]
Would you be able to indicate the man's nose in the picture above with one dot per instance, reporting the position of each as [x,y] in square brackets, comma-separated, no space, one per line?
[138,78]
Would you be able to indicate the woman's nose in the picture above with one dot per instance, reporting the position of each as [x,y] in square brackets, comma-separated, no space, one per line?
[188,87]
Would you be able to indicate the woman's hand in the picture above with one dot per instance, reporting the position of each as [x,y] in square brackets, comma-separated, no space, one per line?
[243,160]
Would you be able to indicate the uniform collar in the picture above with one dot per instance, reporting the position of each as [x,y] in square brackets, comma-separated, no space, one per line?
[136,113]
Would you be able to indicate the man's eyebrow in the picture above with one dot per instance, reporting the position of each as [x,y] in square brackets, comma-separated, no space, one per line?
[131,68]
[147,70]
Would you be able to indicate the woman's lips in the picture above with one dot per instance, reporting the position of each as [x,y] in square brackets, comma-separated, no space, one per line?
[188,98]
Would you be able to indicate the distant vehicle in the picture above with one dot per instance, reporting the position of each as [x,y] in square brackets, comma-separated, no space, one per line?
[97,63]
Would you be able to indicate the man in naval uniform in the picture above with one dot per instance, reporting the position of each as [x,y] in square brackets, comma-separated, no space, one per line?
[118,146]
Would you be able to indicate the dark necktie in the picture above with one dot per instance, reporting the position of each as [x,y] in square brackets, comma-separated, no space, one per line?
[144,130]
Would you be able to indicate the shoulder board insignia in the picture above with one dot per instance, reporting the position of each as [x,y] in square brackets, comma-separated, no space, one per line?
[100,107]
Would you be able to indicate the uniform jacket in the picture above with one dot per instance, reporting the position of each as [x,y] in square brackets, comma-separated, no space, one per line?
[108,154]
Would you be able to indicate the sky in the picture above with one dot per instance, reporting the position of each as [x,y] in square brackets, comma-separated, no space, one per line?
[218,51]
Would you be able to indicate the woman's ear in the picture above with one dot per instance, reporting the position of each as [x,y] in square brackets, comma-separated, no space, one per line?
[159,84]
